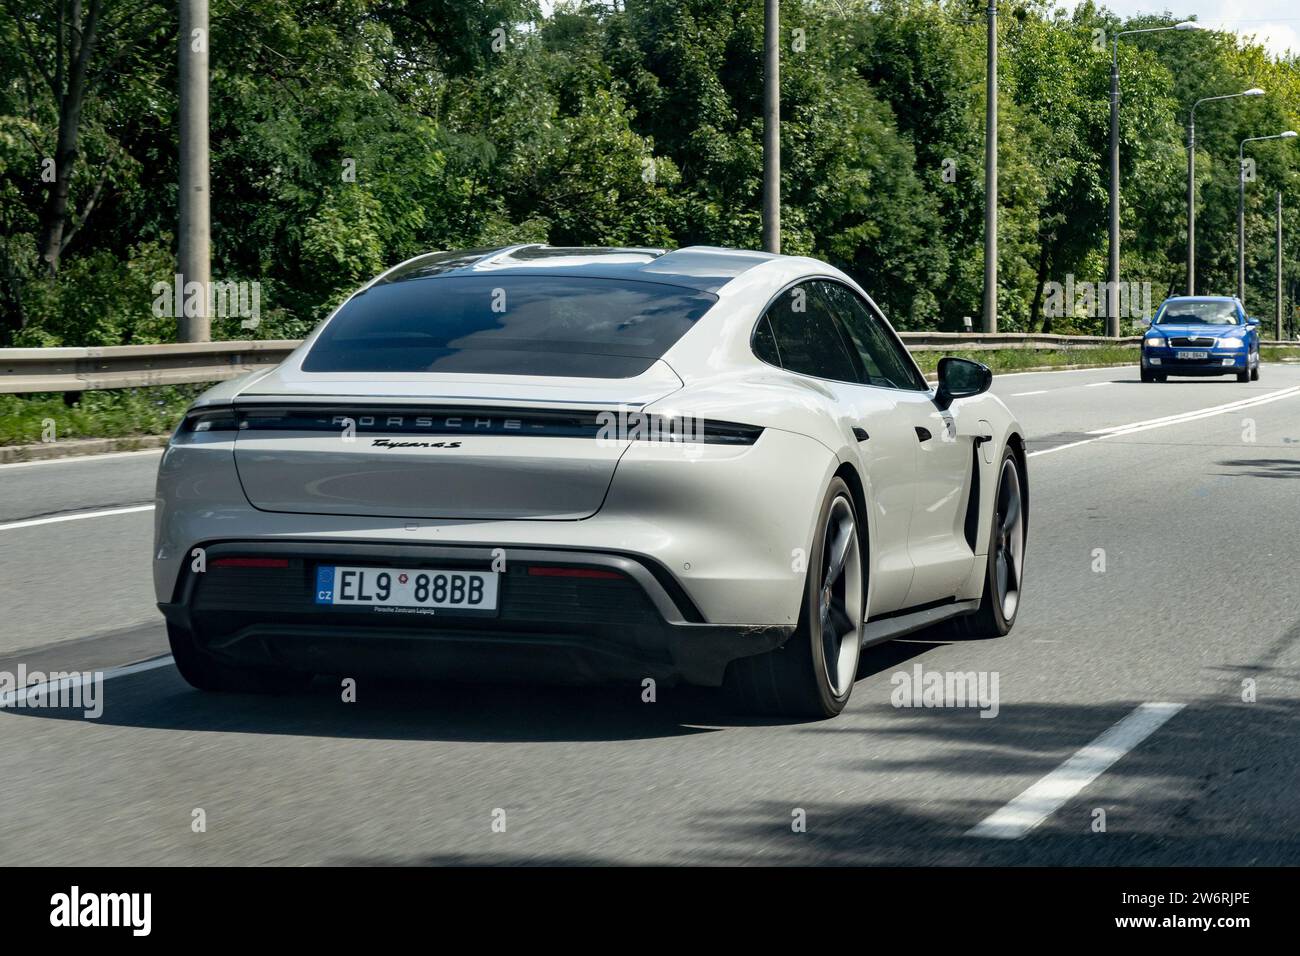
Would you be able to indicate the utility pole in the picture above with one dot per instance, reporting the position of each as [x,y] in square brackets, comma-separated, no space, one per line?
[1241,230]
[991,176]
[1277,307]
[1112,285]
[1191,202]
[772,125]
[193,260]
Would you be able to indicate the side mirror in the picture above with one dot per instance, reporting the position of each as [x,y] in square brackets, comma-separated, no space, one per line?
[1252,321]
[960,378]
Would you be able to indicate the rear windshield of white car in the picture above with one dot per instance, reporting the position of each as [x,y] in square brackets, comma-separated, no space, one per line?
[508,325]
[1207,313]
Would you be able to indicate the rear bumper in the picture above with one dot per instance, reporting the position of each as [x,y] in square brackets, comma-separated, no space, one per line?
[637,625]
[729,524]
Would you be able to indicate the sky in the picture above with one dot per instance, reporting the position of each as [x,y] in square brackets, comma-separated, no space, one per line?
[1275,23]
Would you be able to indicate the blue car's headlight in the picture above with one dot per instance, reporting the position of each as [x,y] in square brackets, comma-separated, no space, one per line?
[1154,341]
[1230,342]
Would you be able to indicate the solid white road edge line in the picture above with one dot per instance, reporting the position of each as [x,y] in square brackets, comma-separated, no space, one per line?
[1073,444]
[15,696]
[33,522]
[71,459]
[1194,415]
[1210,410]
[1052,792]
[1041,391]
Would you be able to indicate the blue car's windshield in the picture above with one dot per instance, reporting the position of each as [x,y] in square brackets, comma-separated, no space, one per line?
[1203,312]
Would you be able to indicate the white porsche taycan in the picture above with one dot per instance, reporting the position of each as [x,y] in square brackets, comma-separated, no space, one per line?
[707,465]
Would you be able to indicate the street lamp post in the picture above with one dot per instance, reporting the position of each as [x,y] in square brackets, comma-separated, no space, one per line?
[1277,305]
[991,175]
[1241,207]
[1112,297]
[193,240]
[1191,180]
[772,126]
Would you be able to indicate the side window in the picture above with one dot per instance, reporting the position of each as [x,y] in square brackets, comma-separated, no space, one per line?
[806,337]
[765,343]
[884,361]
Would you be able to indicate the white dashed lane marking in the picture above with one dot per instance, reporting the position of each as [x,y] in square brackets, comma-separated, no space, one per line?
[56,519]
[1052,792]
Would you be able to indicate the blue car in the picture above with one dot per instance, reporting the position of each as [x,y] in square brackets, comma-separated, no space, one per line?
[1201,335]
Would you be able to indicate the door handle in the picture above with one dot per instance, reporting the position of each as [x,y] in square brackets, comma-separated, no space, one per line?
[860,433]
[923,434]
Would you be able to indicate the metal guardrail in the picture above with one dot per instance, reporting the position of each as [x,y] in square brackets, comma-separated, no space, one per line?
[134,366]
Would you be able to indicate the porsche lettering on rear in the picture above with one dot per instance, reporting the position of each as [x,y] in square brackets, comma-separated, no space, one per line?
[454,423]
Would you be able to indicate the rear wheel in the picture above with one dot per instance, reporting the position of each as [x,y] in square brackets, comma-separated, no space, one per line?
[205,672]
[812,674]
[1006,560]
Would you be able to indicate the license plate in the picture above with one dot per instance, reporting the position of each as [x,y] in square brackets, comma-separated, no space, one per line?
[1192,355]
[421,589]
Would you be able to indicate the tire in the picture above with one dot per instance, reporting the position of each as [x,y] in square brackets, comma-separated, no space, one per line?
[1254,374]
[1162,378]
[996,614]
[205,672]
[1243,376]
[795,680]
[1147,376]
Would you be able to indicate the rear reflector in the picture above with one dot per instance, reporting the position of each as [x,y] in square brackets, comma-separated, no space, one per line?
[251,563]
[549,572]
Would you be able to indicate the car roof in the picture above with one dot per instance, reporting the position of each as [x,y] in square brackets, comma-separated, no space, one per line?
[1202,298]
[703,268]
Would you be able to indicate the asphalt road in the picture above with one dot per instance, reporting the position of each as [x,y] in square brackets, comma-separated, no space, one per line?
[1197,518]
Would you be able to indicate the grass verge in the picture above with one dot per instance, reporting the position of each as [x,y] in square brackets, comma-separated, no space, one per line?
[114,413]
[1014,360]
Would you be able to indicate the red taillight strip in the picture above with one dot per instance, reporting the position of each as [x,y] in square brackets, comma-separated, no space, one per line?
[251,563]
[543,571]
